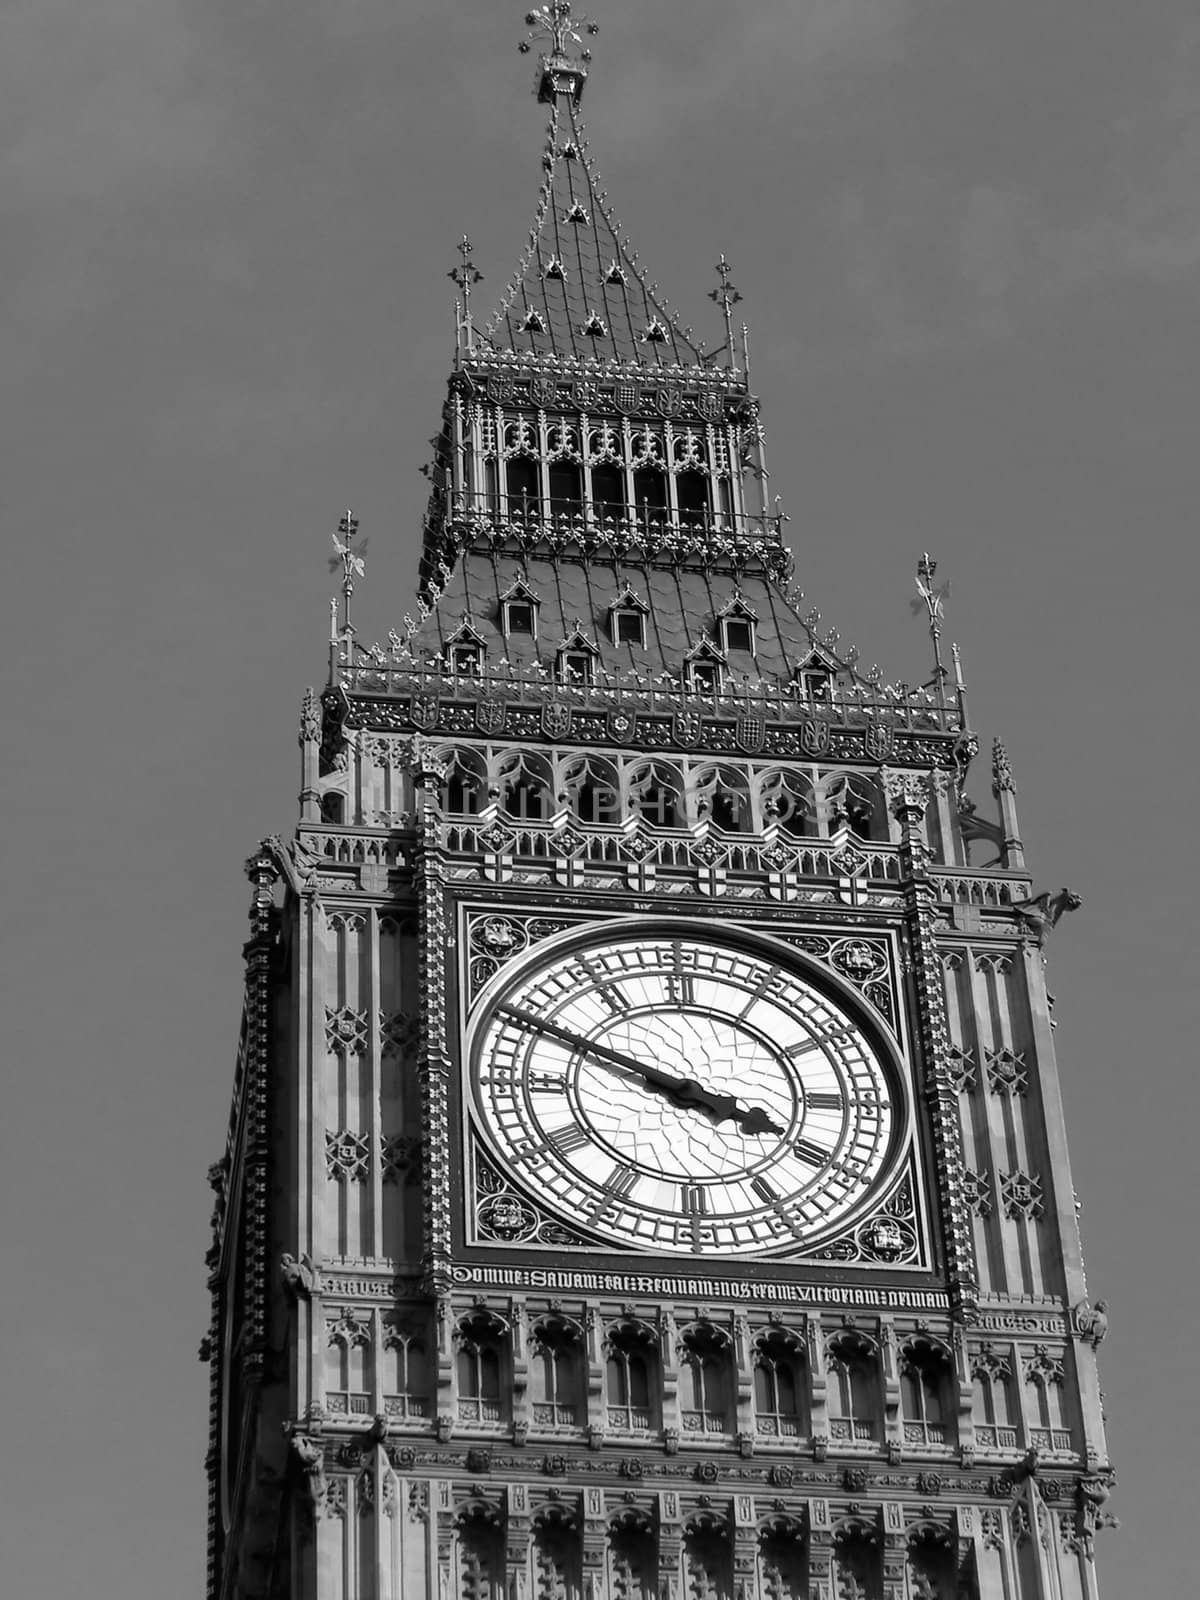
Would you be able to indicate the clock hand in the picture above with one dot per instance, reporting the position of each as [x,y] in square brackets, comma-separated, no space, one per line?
[683,1092]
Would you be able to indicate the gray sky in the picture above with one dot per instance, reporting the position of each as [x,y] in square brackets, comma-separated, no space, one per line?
[968,237]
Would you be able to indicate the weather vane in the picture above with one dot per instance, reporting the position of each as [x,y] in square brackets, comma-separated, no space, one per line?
[466,276]
[934,602]
[727,296]
[350,561]
[554,22]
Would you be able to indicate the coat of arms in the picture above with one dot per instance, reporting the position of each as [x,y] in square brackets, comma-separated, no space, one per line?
[669,402]
[879,741]
[489,715]
[542,390]
[556,719]
[622,726]
[423,711]
[750,734]
[499,388]
[627,396]
[708,404]
[814,737]
[687,727]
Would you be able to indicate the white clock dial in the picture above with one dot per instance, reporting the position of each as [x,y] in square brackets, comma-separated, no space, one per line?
[684,1093]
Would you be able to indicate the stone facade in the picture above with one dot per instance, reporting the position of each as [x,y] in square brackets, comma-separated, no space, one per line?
[441,1370]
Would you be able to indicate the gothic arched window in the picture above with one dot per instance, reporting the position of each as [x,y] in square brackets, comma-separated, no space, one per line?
[406,1373]
[691,494]
[524,486]
[481,1362]
[526,788]
[724,795]
[856,1404]
[566,488]
[465,785]
[927,1393]
[782,1559]
[708,1557]
[479,1538]
[995,1425]
[705,1380]
[856,801]
[657,789]
[787,797]
[632,1555]
[608,490]
[650,491]
[631,1377]
[593,790]
[780,1385]
[557,1348]
[348,1381]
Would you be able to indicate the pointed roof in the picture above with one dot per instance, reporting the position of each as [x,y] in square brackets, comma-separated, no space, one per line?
[579,291]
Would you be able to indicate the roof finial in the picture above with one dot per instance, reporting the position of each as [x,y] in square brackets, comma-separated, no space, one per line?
[352,563]
[561,73]
[727,296]
[935,604]
[465,276]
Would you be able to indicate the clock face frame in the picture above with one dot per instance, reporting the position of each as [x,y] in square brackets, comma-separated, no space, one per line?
[684,1090]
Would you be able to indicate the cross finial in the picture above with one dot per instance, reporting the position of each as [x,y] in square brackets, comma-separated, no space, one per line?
[466,275]
[726,296]
[934,602]
[351,561]
[561,72]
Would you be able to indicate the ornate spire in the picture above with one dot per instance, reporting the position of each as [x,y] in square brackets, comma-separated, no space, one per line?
[934,602]
[727,296]
[466,275]
[350,560]
[579,293]
[559,73]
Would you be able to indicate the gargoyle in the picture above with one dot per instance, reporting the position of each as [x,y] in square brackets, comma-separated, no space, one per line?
[1044,911]
[1092,1321]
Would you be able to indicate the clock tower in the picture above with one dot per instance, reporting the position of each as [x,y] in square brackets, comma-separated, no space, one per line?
[646,1175]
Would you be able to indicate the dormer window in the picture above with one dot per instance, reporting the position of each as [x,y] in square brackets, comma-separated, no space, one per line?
[704,676]
[465,651]
[815,676]
[595,326]
[737,624]
[575,667]
[518,611]
[702,667]
[655,332]
[577,212]
[466,660]
[554,269]
[577,659]
[627,619]
[615,273]
[534,321]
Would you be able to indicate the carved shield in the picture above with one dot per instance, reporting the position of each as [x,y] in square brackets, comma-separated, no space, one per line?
[814,737]
[499,388]
[669,402]
[687,727]
[489,715]
[542,390]
[627,397]
[584,394]
[622,726]
[708,404]
[750,734]
[556,719]
[423,711]
[879,741]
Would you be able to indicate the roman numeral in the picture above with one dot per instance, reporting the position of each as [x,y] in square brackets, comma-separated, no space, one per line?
[693,1200]
[764,1190]
[620,1181]
[546,1083]
[564,1140]
[821,1100]
[815,1155]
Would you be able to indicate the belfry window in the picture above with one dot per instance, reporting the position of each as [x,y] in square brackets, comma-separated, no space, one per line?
[608,490]
[650,491]
[691,494]
[576,666]
[466,658]
[704,675]
[518,611]
[736,626]
[566,488]
[627,619]
[524,490]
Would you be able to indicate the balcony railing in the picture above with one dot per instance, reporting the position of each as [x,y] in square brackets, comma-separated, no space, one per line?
[550,1414]
[842,1431]
[629,1419]
[487,1411]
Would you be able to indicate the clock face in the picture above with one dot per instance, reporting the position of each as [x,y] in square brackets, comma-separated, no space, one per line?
[680,1092]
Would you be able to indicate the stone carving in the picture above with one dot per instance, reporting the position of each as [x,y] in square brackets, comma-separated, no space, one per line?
[1091,1322]
[346,1030]
[1006,1073]
[301,1279]
[1045,911]
[960,1064]
[977,1191]
[347,1155]
[309,1456]
[401,1158]
[1021,1195]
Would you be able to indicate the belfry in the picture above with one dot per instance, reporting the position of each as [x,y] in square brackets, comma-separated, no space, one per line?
[646,1175]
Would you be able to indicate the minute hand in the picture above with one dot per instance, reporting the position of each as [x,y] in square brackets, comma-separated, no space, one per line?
[683,1092]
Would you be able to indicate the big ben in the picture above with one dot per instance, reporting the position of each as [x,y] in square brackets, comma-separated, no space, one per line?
[646,1175]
